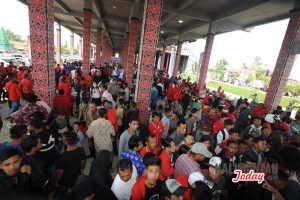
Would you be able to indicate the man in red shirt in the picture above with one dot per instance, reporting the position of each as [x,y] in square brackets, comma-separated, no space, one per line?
[57,68]
[219,125]
[148,186]
[26,85]
[212,117]
[88,81]
[113,118]
[172,91]
[62,102]
[10,67]
[14,94]
[156,128]
[20,74]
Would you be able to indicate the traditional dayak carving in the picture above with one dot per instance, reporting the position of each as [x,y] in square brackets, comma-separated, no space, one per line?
[150,30]
[41,16]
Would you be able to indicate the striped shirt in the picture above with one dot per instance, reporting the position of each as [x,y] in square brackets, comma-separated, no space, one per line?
[185,166]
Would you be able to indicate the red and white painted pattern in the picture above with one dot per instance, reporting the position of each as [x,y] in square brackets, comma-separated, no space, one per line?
[149,38]
[41,19]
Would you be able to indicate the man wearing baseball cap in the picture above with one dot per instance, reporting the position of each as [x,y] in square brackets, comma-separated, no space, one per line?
[172,190]
[215,176]
[188,163]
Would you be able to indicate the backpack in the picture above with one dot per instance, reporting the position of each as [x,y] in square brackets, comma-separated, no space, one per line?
[215,138]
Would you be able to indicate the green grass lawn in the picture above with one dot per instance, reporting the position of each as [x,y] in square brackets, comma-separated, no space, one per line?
[248,92]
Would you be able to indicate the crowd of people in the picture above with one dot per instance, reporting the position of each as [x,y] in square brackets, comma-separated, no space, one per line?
[190,148]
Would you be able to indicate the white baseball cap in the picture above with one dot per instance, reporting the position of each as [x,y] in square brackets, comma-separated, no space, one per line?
[198,176]
[171,186]
[200,148]
[215,161]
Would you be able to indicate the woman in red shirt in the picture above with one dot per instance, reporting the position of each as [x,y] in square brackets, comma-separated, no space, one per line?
[156,128]
[166,157]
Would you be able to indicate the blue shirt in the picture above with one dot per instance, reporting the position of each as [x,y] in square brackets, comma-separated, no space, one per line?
[80,139]
[136,159]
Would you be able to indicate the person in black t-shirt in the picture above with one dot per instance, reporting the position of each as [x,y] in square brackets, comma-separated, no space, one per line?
[31,146]
[70,164]
[148,186]
[47,152]
[18,181]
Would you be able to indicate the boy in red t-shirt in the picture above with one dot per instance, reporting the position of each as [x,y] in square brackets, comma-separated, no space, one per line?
[26,85]
[148,185]
[156,128]
[151,146]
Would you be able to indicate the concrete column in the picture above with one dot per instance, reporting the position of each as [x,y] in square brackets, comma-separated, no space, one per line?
[29,45]
[162,58]
[80,48]
[131,50]
[87,24]
[285,62]
[72,45]
[205,60]
[177,59]
[172,62]
[41,19]
[105,49]
[168,62]
[149,38]
[98,47]
[126,50]
[58,44]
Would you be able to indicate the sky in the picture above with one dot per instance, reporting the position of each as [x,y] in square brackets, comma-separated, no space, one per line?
[236,47]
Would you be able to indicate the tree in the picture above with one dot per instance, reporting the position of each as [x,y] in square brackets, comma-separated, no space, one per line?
[292,88]
[250,78]
[257,61]
[65,49]
[220,68]
[12,36]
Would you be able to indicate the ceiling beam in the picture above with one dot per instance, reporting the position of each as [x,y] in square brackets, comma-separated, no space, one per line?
[72,13]
[116,37]
[79,21]
[245,5]
[97,10]
[116,30]
[188,12]
[169,29]
[115,19]
[63,6]
[180,7]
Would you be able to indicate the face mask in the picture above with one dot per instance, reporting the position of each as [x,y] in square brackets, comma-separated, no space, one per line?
[94,85]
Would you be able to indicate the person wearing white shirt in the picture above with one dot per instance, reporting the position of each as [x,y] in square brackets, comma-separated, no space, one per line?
[223,135]
[127,92]
[125,179]
[73,73]
[106,95]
